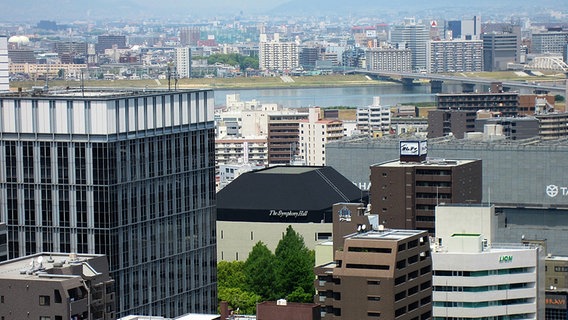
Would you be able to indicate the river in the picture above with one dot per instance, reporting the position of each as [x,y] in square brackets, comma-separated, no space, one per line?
[353,96]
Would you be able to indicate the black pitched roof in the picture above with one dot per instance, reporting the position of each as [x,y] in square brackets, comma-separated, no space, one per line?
[296,188]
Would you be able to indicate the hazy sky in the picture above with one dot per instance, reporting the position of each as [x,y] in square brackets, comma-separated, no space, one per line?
[69,10]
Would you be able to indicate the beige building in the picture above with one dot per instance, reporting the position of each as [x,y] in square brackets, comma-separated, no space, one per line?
[51,69]
[56,286]
[315,133]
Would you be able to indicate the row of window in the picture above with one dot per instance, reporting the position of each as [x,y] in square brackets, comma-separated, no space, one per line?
[482,273]
[481,304]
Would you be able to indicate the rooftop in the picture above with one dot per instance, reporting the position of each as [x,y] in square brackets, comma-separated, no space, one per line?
[430,162]
[37,265]
[387,234]
[89,93]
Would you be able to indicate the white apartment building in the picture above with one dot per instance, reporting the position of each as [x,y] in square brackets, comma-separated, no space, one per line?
[315,133]
[4,76]
[374,120]
[183,62]
[474,278]
[455,56]
[241,150]
[276,55]
[389,59]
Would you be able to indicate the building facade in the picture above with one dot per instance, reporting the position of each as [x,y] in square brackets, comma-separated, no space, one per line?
[474,277]
[414,37]
[129,174]
[549,42]
[183,62]
[377,274]
[405,194]
[374,120]
[314,134]
[57,286]
[284,137]
[500,49]
[455,56]
[4,64]
[275,55]
[105,42]
[389,59]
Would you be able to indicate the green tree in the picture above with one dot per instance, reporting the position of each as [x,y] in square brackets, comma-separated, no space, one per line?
[295,263]
[231,274]
[234,59]
[559,98]
[260,271]
[239,299]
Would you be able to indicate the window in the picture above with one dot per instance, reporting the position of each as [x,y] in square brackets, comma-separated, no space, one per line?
[44,300]
[44,318]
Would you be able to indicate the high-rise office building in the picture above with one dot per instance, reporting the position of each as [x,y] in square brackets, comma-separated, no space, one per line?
[126,173]
[189,36]
[414,37]
[4,65]
[183,62]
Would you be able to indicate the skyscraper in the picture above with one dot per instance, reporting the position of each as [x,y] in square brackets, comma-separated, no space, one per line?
[501,48]
[129,174]
[414,37]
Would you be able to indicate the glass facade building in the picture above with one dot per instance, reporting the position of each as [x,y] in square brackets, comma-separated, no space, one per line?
[123,173]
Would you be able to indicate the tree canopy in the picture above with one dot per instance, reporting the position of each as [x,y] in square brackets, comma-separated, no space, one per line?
[234,59]
[266,276]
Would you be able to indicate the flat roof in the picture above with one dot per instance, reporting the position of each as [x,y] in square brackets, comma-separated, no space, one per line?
[427,163]
[91,93]
[23,268]
[387,234]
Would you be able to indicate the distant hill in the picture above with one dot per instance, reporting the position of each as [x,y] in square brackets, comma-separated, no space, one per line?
[324,7]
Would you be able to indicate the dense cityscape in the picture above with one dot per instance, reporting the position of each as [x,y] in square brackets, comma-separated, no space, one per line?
[285,160]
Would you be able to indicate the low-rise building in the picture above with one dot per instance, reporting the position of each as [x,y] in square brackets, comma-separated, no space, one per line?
[57,286]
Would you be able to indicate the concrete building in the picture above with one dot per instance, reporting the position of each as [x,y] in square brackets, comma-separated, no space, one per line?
[455,56]
[507,103]
[241,150]
[414,37]
[284,137]
[275,55]
[525,179]
[260,205]
[404,193]
[553,125]
[382,273]
[24,55]
[57,286]
[550,42]
[125,173]
[454,123]
[189,36]
[374,120]
[314,134]
[105,42]
[4,64]
[465,29]
[183,62]
[511,128]
[284,310]
[389,59]
[474,277]
[500,49]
